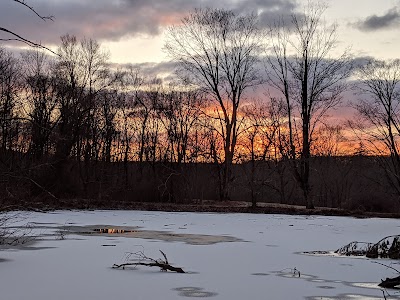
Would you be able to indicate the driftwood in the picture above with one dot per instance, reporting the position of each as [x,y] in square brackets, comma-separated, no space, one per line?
[140,259]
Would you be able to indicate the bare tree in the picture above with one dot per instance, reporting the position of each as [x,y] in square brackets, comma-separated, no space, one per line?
[303,69]
[329,141]
[10,84]
[264,148]
[132,81]
[143,116]
[256,140]
[178,112]
[217,52]
[379,109]
[82,75]
[40,100]
[109,106]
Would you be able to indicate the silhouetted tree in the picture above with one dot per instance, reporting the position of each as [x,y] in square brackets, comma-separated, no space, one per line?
[10,85]
[311,80]
[379,109]
[178,112]
[82,75]
[40,101]
[217,51]
[263,140]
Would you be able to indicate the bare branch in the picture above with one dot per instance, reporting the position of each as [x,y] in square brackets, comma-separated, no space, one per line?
[44,18]
[140,259]
[19,38]
[387,266]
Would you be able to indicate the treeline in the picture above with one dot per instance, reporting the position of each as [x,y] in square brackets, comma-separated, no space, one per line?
[72,125]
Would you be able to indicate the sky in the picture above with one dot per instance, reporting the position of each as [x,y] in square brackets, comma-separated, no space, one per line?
[132,30]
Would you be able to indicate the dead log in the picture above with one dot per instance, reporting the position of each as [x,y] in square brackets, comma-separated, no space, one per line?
[140,259]
[162,266]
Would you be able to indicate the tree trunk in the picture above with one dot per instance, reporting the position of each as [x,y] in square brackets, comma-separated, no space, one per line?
[225,178]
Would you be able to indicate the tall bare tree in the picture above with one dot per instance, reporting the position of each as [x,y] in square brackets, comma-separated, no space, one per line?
[311,79]
[379,109]
[217,51]
[82,74]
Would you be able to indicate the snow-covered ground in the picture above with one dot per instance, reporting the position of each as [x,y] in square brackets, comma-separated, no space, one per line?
[255,262]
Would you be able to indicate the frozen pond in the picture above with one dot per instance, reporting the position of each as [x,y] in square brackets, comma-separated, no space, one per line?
[227,256]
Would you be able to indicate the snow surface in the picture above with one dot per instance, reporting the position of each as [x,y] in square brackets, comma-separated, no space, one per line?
[261,266]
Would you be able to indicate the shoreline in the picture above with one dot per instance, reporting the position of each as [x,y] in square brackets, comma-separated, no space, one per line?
[206,206]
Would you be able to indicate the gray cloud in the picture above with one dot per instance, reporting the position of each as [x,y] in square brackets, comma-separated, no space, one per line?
[149,70]
[270,12]
[116,19]
[375,22]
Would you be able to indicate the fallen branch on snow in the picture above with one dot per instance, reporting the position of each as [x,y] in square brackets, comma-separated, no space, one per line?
[140,259]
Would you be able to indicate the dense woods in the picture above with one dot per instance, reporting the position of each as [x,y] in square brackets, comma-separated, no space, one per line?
[75,126]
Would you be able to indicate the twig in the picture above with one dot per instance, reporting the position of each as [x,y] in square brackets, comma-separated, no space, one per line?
[166,259]
[383,292]
[24,40]
[19,38]
[35,183]
[375,262]
[42,188]
[44,18]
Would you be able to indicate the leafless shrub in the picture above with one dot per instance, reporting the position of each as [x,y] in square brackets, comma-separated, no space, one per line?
[388,247]
[11,233]
[355,249]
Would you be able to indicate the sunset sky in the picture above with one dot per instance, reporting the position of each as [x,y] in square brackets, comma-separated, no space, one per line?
[132,30]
